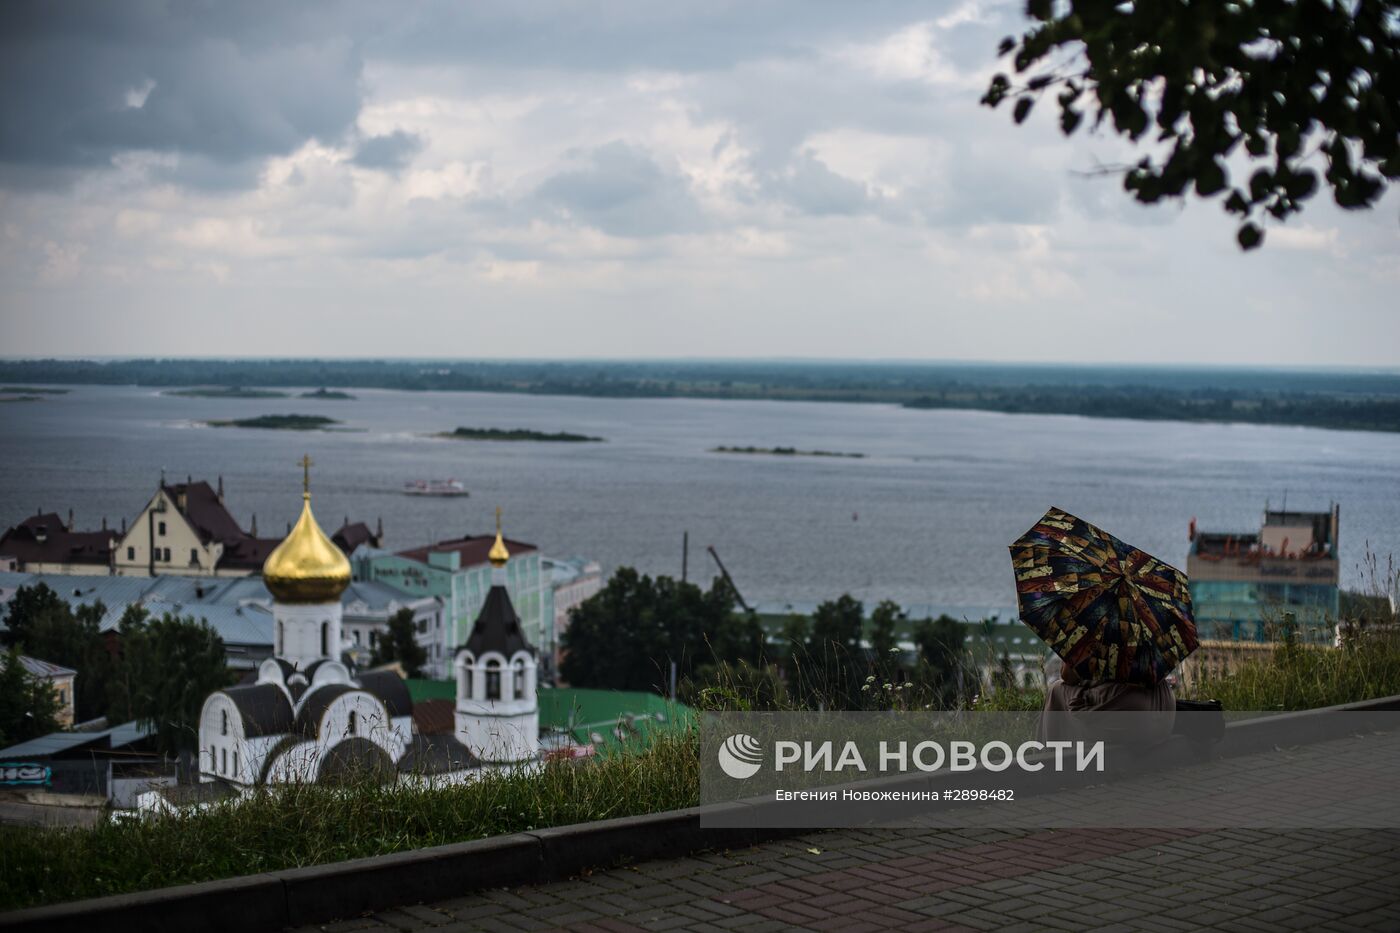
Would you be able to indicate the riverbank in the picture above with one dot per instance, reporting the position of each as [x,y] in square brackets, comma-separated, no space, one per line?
[1339,400]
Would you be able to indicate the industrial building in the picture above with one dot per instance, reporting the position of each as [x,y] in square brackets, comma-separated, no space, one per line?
[1243,583]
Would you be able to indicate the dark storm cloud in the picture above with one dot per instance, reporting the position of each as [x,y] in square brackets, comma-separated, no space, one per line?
[229,84]
[634,34]
[622,190]
[389,153]
[812,188]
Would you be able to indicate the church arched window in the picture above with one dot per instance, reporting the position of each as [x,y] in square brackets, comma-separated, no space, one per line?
[325,630]
[493,680]
[351,730]
[467,682]
[223,727]
[281,640]
[519,680]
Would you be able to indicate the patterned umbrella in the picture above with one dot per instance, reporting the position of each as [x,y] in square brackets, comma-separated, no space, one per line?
[1112,612]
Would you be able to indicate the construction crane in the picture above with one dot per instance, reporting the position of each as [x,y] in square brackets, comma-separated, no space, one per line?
[729,580]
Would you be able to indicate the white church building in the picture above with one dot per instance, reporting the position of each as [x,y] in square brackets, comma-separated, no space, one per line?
[308,718]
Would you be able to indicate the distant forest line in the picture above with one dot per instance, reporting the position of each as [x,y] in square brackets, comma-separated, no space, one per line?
[1360,400]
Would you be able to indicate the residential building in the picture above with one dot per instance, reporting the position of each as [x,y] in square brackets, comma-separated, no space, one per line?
[457,572]
[43,543]
[573,580]
[184,529]
[60,680]
[1244,583]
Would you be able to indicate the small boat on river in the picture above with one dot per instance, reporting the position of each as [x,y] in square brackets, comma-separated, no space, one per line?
[434,487]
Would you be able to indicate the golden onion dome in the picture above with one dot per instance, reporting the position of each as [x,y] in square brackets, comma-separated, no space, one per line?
[498,555]
[306,567]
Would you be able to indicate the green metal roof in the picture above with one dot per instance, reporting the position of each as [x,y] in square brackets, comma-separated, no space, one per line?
[584,713]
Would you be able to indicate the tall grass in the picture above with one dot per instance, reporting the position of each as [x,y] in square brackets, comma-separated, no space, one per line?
[1298,676]
[298,825]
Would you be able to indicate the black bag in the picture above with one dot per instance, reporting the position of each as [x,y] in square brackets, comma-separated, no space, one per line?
[1204,720]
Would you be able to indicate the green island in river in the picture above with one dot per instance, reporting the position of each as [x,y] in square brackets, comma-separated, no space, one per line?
[279,422]
[332,394]
[785,452]
[514,434]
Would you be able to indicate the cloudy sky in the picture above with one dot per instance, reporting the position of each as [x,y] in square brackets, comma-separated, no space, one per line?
[591,179]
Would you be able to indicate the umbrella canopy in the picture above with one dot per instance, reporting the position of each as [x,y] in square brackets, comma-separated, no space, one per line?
[1110,611]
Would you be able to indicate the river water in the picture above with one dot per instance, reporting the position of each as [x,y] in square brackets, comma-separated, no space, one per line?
[924,518]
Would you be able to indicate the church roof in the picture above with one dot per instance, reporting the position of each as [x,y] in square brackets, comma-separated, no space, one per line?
[308,718]
[353,760]
[306,567]
[498,627]
[263,707]
[390,689]
[436,754]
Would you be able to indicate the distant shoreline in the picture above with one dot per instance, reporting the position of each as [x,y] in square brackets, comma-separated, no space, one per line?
[1358,401]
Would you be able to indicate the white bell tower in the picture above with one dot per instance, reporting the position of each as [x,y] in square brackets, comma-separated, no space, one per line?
[498,713]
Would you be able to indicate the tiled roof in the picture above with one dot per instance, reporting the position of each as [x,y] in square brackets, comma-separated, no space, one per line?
[473,549]
[497,628]
[435,717]
[45,539]
[200,505]
[352,535]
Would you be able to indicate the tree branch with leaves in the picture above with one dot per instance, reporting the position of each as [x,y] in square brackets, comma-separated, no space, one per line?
[1277,85]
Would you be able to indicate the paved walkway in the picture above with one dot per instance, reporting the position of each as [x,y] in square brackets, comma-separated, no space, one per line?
[1258,880]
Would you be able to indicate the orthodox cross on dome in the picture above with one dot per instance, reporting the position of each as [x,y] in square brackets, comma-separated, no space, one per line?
[306,463]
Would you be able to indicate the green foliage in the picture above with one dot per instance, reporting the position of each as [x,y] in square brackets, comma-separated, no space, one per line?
[626,636]
[28,705]
[740,687]
[169,666]
[885,619]
[835,662]
[1272,84]
[43,626]
[1297,676]
[400,644]
[296,825]
[943,659]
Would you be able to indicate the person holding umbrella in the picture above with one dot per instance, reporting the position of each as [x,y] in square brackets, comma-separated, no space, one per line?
[1118,619]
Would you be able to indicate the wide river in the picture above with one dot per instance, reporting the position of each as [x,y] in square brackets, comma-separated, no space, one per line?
[924,518]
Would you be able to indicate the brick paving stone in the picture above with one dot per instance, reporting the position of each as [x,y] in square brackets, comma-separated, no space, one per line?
[963,879]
